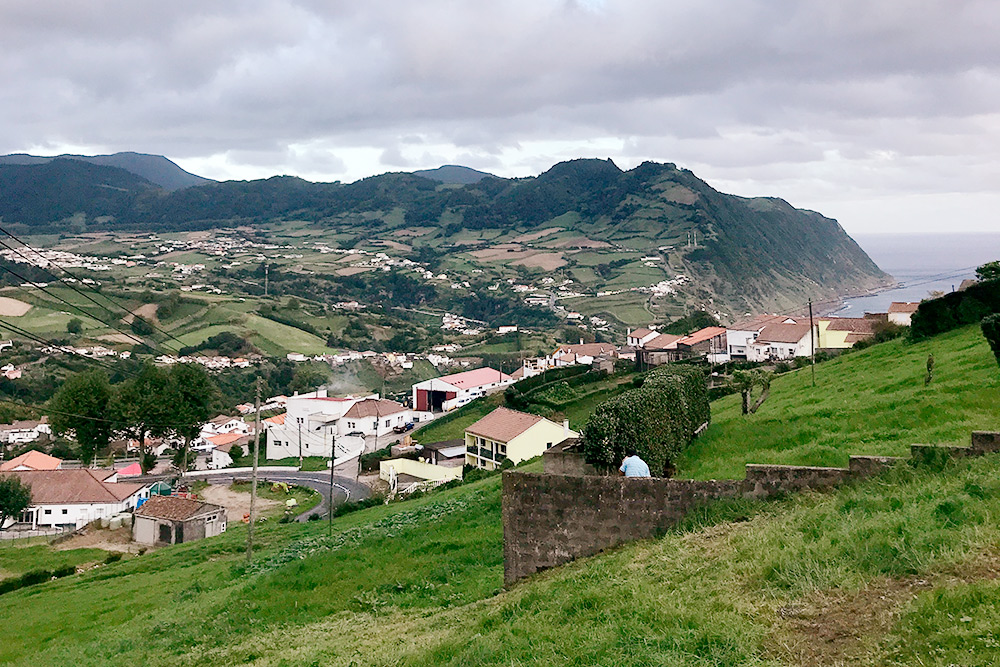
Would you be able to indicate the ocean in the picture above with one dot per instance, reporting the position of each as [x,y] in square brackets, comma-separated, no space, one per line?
[921,263]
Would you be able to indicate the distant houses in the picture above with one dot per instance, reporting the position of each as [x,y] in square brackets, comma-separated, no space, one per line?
[901,312]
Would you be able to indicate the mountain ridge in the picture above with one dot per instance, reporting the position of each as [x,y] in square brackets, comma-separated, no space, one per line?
[154,168]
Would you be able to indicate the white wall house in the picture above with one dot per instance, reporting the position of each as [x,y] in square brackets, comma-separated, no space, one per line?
[640,337]
[742,334]
[778,342]
[452,391]
[74,498]
[317,422]
[901,312]
[21,432]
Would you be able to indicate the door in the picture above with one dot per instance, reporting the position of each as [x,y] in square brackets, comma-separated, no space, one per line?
[165,533]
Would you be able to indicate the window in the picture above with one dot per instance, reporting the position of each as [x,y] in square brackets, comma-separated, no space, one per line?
[65,511]
[387,423]
[48,511]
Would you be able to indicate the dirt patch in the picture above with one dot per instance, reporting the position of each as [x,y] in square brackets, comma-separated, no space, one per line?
[501,252]
[524,238]
[12,307]
[116,338]
[413,231]
[578,242]
[146,311]
[546,260]
[395,245]
[237,503]
[679,194]
[352,270]
[101,538]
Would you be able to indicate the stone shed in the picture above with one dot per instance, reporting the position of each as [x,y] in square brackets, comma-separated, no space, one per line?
[172,520]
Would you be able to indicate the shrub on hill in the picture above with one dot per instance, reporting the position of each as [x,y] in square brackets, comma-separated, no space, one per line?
[658,419]
[955,309]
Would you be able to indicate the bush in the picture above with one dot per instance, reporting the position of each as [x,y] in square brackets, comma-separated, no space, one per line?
[658,419]
[955,309]
[112,558]
[370,461]
[355,505]
[991,330]
[314,516]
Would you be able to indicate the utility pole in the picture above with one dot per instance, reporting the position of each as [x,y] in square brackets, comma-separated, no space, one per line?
[333,447]
[266,267]
[812,343]
[253,478]
[300,445]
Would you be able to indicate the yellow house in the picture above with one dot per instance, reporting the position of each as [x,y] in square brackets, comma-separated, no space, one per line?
[509,434]
[840,333]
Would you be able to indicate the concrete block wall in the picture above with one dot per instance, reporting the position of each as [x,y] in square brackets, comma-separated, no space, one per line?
[552,518]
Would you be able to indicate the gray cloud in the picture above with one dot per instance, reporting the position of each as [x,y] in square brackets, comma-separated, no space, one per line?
[796,99]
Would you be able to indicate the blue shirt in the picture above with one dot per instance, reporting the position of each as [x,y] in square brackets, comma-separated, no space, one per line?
[633,466]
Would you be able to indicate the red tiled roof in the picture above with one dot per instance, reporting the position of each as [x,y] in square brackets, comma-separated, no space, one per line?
[702,335]
[55,487]
[503,424]
[371,407]
[276,419]
[641,333]
[34,460]
[174,508]
[903,307]
[758,322]
[662,342]
[783,333]
[860,325]
[588,349]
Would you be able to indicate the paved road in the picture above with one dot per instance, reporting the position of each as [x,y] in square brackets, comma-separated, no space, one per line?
[344,488]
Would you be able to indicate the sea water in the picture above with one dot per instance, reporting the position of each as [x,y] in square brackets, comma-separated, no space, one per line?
[921,264]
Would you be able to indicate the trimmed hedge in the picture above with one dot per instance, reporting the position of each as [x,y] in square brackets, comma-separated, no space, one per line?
[658,420]
[955,309]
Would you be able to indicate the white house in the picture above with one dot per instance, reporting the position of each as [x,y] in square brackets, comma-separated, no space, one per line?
[781,341]
[510,434]
[74,498]
[742,334]
[901,312]
[451,391]
[640,337]
[312,423]
[224,424]
[21,432]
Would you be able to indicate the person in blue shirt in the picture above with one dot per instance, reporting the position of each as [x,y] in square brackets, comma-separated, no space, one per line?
[633,466]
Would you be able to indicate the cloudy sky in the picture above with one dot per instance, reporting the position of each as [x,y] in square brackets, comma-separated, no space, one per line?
[885,115]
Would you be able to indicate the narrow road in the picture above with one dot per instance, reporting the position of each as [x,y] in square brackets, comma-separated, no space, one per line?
[344,488]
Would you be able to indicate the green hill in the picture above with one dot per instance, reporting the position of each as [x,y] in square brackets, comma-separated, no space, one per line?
[606,229]
[898,570]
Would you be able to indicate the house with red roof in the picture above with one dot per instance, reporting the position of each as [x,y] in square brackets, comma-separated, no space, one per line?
[31,460]
[781,341]
[74,498]
[448,392]
[900,312]
[511,434]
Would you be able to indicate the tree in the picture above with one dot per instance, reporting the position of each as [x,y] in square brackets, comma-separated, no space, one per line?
[746,381]
[80,409]
[140,326]
[989,271]
[142,408]
[74,326]
[192,393]
[15,497]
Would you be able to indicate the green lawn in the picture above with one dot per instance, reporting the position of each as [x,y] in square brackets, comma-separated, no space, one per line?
[868,402]
[898,570]
[16,559]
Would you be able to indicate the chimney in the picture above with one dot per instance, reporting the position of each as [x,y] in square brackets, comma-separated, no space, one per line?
[581,341]
[565,428]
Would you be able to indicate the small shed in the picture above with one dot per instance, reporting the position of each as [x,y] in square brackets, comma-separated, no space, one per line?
[173,520]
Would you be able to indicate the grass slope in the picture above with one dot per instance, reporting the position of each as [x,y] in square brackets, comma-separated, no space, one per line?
[898,570]
[869,402]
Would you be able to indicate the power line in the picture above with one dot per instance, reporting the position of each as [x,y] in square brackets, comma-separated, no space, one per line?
[49,343]
[68,303]
[74,276]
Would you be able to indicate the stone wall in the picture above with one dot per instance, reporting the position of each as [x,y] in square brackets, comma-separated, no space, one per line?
[552,518]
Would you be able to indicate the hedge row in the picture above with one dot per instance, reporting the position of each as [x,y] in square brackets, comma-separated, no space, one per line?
[35,577]
[658,419]
[550,376]
[955,309]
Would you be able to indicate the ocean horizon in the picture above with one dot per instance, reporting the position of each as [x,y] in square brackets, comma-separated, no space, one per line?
[921,264]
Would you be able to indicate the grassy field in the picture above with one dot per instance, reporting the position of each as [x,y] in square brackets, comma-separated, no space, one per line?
[17,558]
[868,402]
[898,570]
